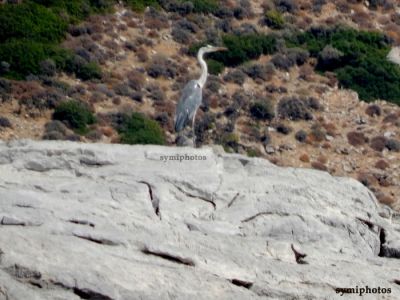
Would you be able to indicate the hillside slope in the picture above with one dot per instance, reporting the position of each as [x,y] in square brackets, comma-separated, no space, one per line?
[146,58]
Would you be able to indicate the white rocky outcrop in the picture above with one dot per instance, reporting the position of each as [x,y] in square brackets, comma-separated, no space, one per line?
[97,221]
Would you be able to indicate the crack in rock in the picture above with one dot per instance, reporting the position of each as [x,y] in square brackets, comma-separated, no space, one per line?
[83,293]
[21,272]
[97,239]
[233,200]
[34,278]
[242,283]
[368,223]
[266,213]
[299,257]
[386,251]
[94,162]
[89,294]
[81,222]
[195,196]
[155,202]
[11,221]
[169,256]
[3,294]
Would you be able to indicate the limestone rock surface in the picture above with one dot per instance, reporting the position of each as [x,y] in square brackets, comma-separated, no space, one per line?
[97,221]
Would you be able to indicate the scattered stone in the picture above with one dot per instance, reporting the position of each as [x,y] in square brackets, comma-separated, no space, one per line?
[270,150]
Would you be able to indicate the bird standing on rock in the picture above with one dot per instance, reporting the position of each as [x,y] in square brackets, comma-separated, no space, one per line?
[191,96]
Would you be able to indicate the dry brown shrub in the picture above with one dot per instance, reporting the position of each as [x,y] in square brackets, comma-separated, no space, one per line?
[122,27]
[153,34]
[97,37]
[306,72]
[356,138]
[304,158]
[322,159]
[111,44]
[26,88]
[391,118]
[116,100]
[330,128]
[157,24]
[367,179]
[132,24]
[142,55]
[136,80]
[378,143]
[363,19]
[326,145]
[381,164]
[373,110]
[319,166]
[384,20]
[384,199]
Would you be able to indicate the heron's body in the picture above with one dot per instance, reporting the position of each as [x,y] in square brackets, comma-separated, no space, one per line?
[188,104]
[191,96]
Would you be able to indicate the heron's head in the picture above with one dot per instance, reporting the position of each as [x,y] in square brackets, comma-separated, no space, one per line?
[209,49]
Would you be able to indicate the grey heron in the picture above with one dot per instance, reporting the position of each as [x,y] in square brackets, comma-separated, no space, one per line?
[191,96]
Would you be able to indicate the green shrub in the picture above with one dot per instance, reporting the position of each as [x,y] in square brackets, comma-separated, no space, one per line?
[75,114]
[242,48]
[30,21]
[140,5]
[214,67]
[24,56]
[89,71]
[138,129]
[77,10]
[80,67]
[376,79]
[230,141]
[30,32]
[253,152]
[357,57]
[204,6]
[274,19]
[262,110]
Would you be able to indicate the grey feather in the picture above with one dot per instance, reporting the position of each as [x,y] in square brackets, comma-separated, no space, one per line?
[188,104]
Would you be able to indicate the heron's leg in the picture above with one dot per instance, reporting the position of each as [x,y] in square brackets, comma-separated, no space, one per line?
[194,135]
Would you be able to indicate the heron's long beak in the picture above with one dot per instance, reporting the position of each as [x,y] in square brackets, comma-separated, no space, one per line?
[221,49]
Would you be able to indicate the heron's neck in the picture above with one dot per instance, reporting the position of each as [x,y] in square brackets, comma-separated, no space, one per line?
[203,78]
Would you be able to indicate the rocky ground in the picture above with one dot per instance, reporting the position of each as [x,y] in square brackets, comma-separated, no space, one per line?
[98,221]
[129,46]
